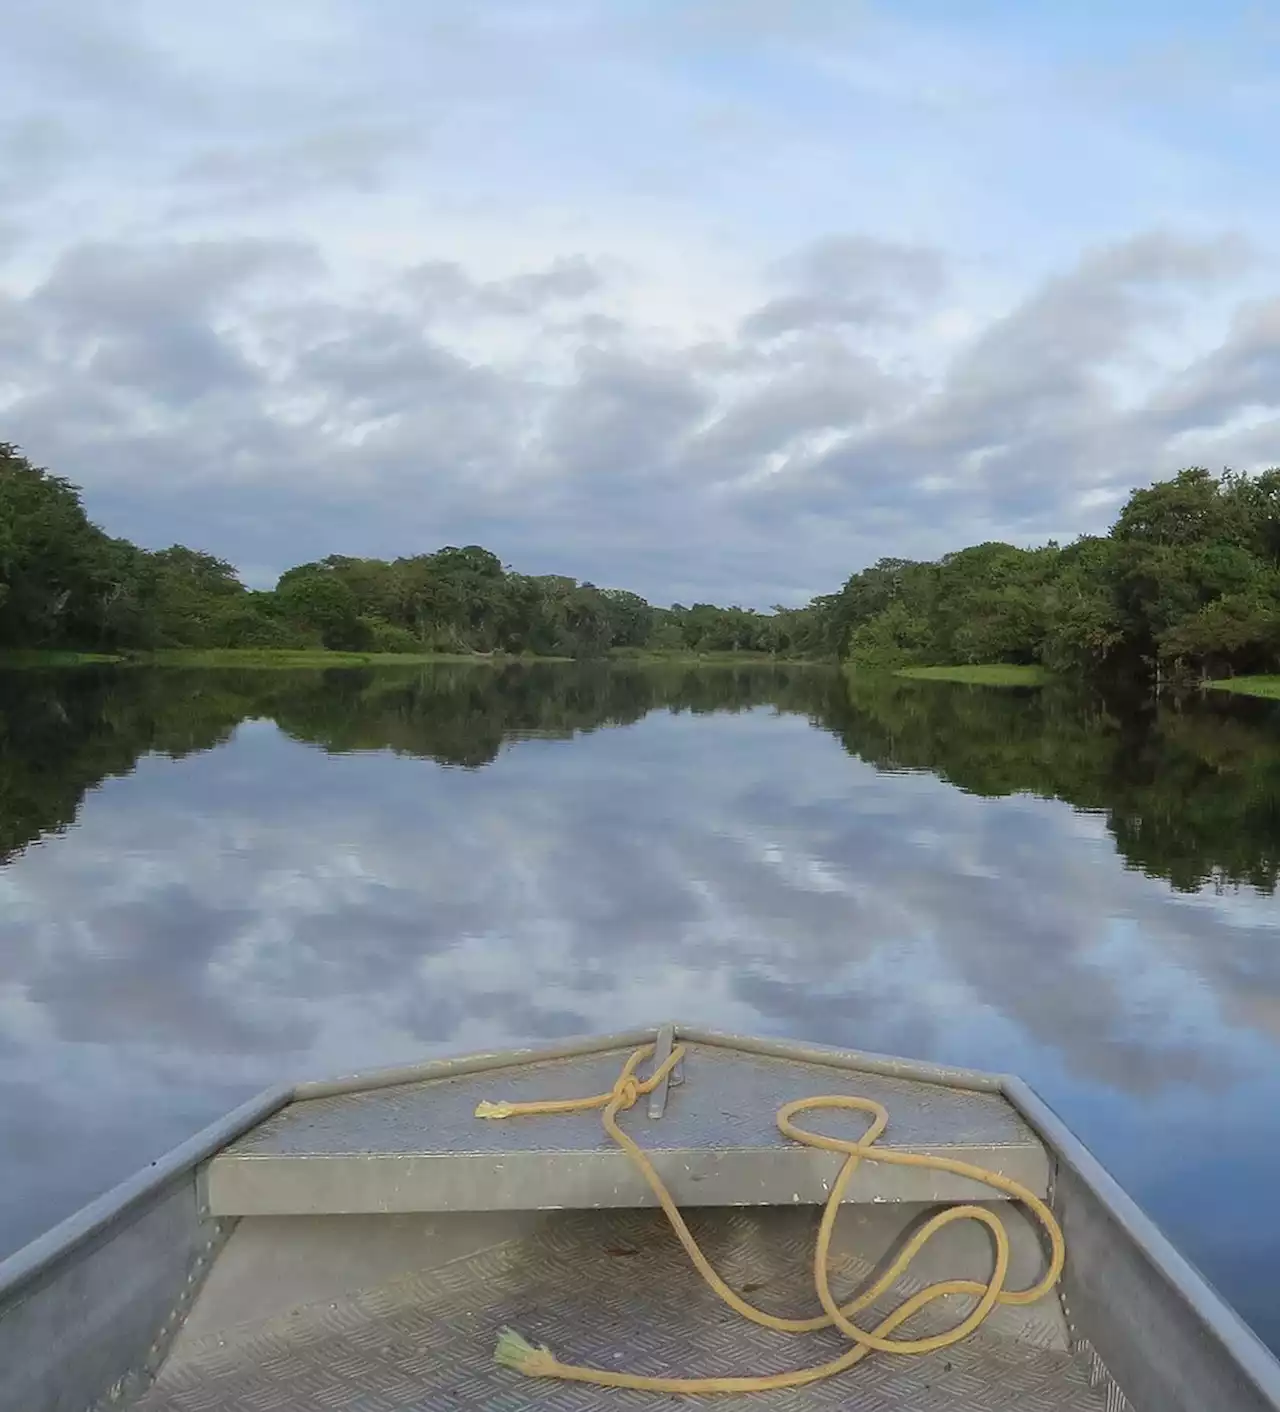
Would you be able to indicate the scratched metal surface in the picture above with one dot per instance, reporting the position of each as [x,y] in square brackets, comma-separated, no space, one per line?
[420,1147]
[609,1290]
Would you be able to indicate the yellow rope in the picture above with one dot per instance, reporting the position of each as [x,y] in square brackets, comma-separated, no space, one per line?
[515,1352]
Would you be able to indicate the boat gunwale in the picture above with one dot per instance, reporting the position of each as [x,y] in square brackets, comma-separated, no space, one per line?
[1218,1318]
[33,1262]
[42,1257]
[116,1206]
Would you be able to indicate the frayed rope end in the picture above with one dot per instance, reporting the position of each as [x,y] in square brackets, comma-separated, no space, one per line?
[485,1109]
[515,1351]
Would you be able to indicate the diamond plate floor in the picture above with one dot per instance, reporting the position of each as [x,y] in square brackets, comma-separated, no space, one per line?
[612,1291]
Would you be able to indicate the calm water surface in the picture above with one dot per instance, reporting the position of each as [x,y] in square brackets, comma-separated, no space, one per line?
[212,881]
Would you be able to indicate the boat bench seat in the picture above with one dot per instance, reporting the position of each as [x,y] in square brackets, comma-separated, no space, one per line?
[418,1146]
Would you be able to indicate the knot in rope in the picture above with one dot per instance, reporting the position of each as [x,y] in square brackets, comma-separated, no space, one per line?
[625,1093]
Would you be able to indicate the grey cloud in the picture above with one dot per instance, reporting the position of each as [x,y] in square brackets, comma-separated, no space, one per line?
[829,387]
[1243,372]
[142,370]
[146,319]
[1051,350]
[381,364]
[20,334]
[177,362]
[333,159]
[94,48]
[1025,419]
[116,280]
[125,354]
[623,415]
[34,152]
[848,280]
[567,279]
[443,287]
[855,264]
[789,312]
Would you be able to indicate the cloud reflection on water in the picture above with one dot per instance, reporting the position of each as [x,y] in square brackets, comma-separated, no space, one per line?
[267,910]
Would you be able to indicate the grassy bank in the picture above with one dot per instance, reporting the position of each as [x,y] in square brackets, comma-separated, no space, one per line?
[298,657]
[321,657]
[26,658]
[253,657]
[1249,686]
[980,674]
[682,656]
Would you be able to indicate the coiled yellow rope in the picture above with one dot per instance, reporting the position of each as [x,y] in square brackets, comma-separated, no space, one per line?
[539,1362]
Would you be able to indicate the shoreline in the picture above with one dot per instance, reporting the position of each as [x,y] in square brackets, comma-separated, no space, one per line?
[1265,687]
[320,657]
[979,674]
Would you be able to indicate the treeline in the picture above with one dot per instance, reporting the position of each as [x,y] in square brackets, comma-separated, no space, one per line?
[1186,584]
[66,584]
[1189,792]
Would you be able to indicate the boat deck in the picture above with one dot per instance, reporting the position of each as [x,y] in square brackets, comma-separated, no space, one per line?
[612,1289]
[419,1146]
[357,1245]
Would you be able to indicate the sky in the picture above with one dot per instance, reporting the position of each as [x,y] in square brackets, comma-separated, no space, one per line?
[710,299]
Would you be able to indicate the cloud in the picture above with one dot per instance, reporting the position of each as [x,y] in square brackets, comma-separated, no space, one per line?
[34,152]
[343,286]
[1242,373]
[1056,345]
[621,415]
[112,281]
[443,288]
[230,359]
[354,160]
[849,280]
[146,321]
[101,52]
[1030,420]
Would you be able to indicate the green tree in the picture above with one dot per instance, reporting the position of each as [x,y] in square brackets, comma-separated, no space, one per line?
[630,617]
[1187,583]
[62,581]
[1082,621]
[315,599]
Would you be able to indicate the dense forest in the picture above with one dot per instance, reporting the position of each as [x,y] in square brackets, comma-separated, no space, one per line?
[1188,791]
[66,584]
[1186,584]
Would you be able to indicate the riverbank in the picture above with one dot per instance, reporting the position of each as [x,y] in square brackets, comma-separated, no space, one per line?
[979,674]
[26,657]
[318,657]
[683,657]
[321,657]
[249,657]
[1249,686]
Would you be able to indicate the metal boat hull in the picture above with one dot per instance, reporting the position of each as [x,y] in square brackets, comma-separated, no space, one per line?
[357,1244]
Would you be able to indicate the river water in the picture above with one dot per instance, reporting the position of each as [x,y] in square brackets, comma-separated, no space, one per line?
[210,881]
